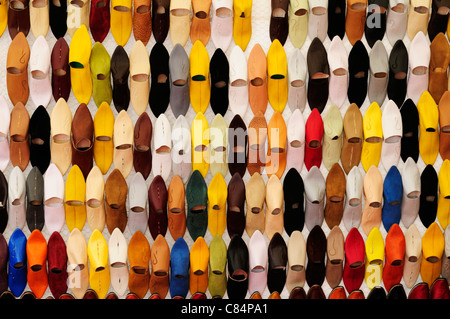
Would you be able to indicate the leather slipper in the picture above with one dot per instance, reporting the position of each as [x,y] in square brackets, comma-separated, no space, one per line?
[180,22]
[162,140]
[238,87]
[199,86]
[77,15]
[139,77]
[75,199]
[160,19]
[123,143]
[4,130]
[61,127]
[257,76]
[116,190]
[95,203]
[100,63]
[54,213]
[181,148]
[18,18]
[200,144]
[16,198]
[120,71]
[297,81]
[222,24]
[200,25]
[99,19]
[121,20]
[242,23]
[16,69]
[80,73]
[142,20]
[39,18]
[59,59]
[277,87]
[179,77]
[219,139]
[103,134]
[138,201]
[19,151]
[142,153]
[40,86]
[83,139]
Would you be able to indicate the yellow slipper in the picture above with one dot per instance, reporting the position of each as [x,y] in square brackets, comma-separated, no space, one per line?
[433,243]
[200,87]
[99,277]
[374,258]
[428,128]
[200,144]
[199,258]
[61,127]
[443,208]
[242,23]
[3,16]
[75,195]
[373,137]
[217,205]
[103,142]
[121,21]
[277,83]
[80,72]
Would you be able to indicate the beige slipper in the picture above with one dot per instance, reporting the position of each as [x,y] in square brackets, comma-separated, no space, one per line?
[61,125]
[77,14]
[180,21]
[95,203]
[39,17]
[274,222]
[255,199]
[123,143]
[139,77]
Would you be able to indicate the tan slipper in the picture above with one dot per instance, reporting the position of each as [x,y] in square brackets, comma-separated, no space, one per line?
[61,126]
[95,203]
[139,77]
[123,143]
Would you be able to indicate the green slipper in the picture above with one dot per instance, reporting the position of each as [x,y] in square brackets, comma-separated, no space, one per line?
[101,74]
[197,202]
[217,283]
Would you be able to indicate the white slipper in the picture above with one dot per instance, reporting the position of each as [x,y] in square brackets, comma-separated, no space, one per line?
[181,148]
[419,61]
[297,71]
[295,151]
[391,121]
[353,203]
[138,199]
[338,61]
[411,192]
[118,252]
[314,199]
[55,216]
[238,88]
[40,84]
[16,199]
[162,159]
